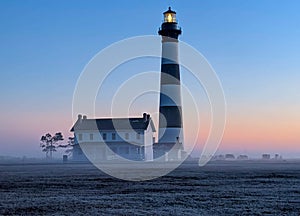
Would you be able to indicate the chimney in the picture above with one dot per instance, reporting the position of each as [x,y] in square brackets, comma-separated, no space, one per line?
[84,117]
[148,116]
[145,116]
[79,118]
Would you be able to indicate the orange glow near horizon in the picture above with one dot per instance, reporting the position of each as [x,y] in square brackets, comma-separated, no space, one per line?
[263,130]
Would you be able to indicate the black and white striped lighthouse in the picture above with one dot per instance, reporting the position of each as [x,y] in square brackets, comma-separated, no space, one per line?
[170,109]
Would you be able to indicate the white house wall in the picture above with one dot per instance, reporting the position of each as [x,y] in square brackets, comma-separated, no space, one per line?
[142,151]
[148,141]
[120,137]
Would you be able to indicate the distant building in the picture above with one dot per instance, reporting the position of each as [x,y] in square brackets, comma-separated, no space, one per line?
[229,157]
[277,157]
[109,138]
[242,157]
[218,157]
[266,156]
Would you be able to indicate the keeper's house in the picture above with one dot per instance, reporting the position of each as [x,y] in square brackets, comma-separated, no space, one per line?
[112,138]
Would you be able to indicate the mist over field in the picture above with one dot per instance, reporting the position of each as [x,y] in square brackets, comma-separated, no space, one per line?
[219,188]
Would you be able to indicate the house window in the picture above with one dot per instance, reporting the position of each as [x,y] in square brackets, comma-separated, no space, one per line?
[113,136]
[104,136]
[138,136]
[127,136]
[79,137]
[91,136]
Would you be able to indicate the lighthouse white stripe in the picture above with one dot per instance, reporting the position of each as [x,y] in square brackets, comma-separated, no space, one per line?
[171,95]
[170,53]
[168,135]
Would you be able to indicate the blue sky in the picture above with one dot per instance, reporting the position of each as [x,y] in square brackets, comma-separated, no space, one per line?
[254,47]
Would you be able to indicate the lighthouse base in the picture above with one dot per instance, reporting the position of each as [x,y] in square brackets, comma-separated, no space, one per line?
[169,151]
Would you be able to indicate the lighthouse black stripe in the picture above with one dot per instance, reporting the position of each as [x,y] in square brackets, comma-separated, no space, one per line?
[169,135]
[170,74]
[170,116]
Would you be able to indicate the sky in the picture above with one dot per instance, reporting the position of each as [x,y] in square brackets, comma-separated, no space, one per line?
[254,47]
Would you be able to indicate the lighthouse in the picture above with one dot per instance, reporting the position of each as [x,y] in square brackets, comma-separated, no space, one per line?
[170,134]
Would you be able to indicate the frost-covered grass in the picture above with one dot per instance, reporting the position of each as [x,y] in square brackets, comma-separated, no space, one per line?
[232,188]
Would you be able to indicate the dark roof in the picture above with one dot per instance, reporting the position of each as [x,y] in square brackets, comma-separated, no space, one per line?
[169,11]
[113,124]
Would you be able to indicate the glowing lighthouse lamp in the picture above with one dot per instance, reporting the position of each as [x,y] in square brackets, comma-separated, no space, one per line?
[170,16]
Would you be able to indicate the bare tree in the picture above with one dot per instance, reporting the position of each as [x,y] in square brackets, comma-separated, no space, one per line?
[49,143]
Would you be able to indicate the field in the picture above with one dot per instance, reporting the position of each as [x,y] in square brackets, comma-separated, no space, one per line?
[219,188]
